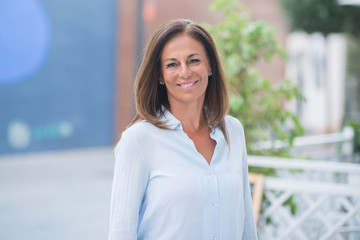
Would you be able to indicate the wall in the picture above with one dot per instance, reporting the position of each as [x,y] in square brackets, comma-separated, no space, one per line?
[56,74]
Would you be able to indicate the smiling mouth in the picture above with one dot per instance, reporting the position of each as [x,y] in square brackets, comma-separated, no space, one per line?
[187,85]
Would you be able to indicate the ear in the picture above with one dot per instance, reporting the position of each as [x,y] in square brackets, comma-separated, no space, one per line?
[161,80]
[209,70]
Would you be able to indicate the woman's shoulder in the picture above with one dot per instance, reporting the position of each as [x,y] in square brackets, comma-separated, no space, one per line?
[139,129]
[235,131]
[233,123]
[135,134]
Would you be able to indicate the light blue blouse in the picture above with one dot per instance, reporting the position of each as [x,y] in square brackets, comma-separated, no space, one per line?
[163,188]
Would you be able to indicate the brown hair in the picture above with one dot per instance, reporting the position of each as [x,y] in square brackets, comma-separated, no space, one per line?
[150,96]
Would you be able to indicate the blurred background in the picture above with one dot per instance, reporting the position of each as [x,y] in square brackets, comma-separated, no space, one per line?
[66,94]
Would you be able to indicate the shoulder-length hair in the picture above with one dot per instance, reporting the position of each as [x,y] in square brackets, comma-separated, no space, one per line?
[150,96]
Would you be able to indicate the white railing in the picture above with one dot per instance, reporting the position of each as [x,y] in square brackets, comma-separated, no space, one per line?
[326,146]
[332,146]
[326,196]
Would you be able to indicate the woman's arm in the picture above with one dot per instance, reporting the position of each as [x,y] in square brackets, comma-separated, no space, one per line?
[129,184]
[249,224]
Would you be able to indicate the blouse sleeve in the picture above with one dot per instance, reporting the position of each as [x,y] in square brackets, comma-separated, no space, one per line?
[249,225]
[129,184]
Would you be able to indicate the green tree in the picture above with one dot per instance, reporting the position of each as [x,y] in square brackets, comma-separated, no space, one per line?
[256,101]
[325,16]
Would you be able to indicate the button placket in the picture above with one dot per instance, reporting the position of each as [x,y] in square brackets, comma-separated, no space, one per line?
[214,200]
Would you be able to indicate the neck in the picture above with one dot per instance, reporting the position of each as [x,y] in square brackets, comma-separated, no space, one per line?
[191,116]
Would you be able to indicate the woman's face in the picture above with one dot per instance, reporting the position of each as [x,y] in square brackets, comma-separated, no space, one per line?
[185,70]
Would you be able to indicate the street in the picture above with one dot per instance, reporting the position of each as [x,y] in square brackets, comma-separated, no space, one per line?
[63,195]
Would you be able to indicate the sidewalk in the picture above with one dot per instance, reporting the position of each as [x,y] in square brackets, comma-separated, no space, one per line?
[56,195]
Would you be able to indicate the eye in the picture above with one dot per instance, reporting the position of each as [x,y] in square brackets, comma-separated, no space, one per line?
[171,65]
[195,60]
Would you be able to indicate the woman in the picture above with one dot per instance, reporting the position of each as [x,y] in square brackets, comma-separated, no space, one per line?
[181,166]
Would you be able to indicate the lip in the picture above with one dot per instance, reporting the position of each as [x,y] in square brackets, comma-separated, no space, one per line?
[187,85]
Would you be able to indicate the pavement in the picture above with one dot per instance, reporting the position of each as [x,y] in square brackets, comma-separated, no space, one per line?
[63,195]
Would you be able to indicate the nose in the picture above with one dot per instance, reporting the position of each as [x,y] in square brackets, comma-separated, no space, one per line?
[185,71]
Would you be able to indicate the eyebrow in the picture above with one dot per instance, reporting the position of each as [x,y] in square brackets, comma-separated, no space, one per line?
[189,56]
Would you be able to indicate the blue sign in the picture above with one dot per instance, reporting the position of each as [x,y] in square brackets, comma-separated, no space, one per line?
[57,64]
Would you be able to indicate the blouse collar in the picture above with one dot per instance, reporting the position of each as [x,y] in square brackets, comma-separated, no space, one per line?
[170,120]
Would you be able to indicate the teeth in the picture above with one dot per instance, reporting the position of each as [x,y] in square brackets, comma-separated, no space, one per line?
[187,84]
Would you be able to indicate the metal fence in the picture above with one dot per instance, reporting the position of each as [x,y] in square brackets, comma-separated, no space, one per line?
[309,199]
